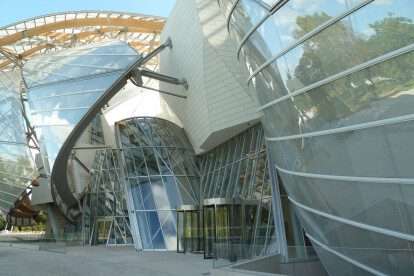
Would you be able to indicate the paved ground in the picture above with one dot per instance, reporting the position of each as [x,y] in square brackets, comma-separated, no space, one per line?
[100,260]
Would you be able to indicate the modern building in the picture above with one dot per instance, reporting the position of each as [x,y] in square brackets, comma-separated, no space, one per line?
[237,128]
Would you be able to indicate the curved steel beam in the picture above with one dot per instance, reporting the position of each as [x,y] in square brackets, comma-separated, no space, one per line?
[59,179]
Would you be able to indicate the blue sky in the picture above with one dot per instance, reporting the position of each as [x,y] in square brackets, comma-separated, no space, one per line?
[17,10]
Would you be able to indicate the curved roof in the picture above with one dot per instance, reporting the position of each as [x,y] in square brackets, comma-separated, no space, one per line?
[36,40]
[23,40]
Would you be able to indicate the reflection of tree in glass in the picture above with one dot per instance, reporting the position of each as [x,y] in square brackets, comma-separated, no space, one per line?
[390,34]
[336,49]
[323,55]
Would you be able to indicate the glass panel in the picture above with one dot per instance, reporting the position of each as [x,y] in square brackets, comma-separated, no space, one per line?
[159,193]
[168,229]
[97,137]
[139,161]
[151,161]
[144,184]
[249,216]
[154,165]
[143,230]
[155,230]
[136,194]
[209,231]
[188,240]
[180,232]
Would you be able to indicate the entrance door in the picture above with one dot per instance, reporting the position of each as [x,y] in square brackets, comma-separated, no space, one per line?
[209,231]
[103,226]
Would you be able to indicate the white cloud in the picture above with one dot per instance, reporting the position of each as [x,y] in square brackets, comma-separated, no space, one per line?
[367,33]
[53,119]
[299,53]
[286,18]
[287,38]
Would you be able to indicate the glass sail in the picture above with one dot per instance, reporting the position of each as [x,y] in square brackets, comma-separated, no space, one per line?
[65,87]
[17,167]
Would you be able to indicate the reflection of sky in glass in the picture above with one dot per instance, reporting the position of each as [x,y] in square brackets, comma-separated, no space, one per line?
[286,17]
[64,85]
[379,10]
[79,62]
[285,21]
[159,148]
[17,169]
[254,11]
[359,20]
[379,92]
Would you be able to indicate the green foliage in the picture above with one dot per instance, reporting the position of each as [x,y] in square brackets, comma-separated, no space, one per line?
[38,227]
[337,49]
[390,33]
[2,222]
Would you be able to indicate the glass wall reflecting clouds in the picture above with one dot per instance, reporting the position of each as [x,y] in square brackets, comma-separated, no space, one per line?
[160,174]
[62,87]
[335,82]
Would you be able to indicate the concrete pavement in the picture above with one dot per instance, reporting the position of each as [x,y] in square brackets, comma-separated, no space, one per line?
[100,260]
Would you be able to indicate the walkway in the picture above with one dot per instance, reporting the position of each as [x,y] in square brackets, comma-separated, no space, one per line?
[100,260]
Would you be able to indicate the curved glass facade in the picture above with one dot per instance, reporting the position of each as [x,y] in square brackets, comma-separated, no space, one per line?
[160,174]
[63,89]
[335,82]
[17,167]
[239,169]
[70,69]
[106,219]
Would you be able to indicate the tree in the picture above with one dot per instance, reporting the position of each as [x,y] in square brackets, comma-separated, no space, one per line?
[2,222]
[337,48]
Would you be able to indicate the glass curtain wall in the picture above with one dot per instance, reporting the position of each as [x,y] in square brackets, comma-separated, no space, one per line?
[238,169]
[160,174]
[97,136]
[17,167]
[106,219]
[335,83]
[63,88]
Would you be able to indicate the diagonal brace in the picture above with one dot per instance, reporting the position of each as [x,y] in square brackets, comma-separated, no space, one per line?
[166,44]
[164,78]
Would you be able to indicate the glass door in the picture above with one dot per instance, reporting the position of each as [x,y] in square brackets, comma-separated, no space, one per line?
[222,230]
[189,229]
[180,231]
[209,231]
[195,231]
[249,217]
[188,232]
[103,226]
[200,230]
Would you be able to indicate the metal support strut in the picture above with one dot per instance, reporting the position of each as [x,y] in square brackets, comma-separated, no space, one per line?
[137,73]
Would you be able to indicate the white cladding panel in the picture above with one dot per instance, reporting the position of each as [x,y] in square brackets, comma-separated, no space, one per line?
[218,104]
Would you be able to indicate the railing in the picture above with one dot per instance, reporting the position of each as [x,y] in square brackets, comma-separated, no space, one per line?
[40,242]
